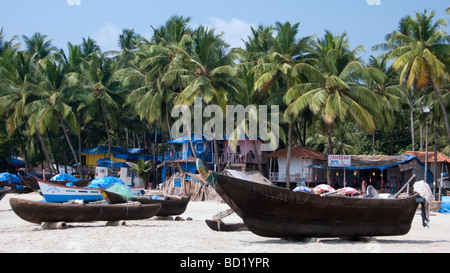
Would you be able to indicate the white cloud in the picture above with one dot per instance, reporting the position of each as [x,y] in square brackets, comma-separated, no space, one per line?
[73,2]
[107,37]
[234,30]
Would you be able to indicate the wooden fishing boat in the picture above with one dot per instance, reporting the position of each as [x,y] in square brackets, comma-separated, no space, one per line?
[32,182]
[40,212]
[272,211]
[79,183]
[60,193]
[171,205]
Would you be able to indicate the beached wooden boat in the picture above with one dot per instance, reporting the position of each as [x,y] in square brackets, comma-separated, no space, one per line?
[32,182]
[272,211]
[171,205]
[60,193]
[79,183]
[40,212]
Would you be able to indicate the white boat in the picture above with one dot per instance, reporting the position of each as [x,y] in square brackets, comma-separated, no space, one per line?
[58,193]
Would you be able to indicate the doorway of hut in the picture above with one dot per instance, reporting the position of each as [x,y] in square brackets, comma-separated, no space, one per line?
[355,179]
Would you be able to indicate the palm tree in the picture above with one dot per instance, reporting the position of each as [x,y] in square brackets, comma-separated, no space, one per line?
[38,46]
[383,80]
[18,82]
[88,47]
[53,90]
[209,72]
[331,90]
[6,45]
[150,91]
[418,49]
[209,68]
[276,70]
[142,169]
[97,77]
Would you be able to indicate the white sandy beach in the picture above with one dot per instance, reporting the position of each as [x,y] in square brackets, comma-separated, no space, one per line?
[168,236]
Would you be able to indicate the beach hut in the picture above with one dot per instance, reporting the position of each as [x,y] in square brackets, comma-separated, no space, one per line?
[90,156]
[385,173]
[180,158]
[441,160]
[301,159]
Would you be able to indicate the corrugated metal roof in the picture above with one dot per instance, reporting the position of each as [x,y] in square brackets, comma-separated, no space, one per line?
[299,152]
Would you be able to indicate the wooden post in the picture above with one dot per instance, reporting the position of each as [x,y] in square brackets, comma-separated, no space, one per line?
[404,186]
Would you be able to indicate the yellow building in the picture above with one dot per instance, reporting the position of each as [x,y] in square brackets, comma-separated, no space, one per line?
[90,156]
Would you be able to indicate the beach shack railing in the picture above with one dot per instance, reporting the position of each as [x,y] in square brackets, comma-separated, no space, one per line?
[237,158]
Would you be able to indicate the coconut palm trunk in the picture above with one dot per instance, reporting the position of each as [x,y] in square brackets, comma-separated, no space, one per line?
[61,121]
[44,150]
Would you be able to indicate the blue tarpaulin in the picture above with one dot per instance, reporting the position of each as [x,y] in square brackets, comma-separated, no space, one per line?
[16,162]
[195,138]
[106,162]
[105,182]
[102,150]
[10,178]
[64,176]
[133,157]
[445,205]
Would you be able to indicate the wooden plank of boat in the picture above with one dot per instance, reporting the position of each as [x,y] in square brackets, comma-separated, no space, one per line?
[272,211]
[30,182]
[40,212]
[171,205]
[227,227]
[60,193]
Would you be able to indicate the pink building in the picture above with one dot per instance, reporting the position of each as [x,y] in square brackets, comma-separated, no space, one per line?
[243,152]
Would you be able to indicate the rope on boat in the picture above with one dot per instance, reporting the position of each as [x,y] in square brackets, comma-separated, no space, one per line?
[222,214]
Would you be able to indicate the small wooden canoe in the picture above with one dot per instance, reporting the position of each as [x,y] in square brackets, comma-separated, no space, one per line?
[221,226]
[39,212]
[171,205]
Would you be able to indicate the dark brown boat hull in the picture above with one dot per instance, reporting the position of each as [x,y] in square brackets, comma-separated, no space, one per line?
[221,226]
[176,205]
[271,211]
[39,212]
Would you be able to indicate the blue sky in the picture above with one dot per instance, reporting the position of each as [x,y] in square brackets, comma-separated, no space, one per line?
[365,21]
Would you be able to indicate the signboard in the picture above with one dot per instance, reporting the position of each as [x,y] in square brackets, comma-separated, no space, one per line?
[339,160]
[177,182]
